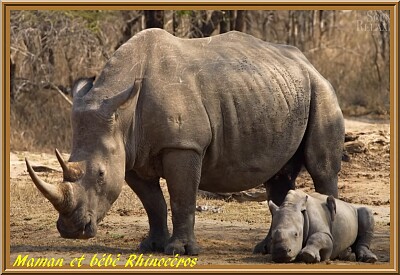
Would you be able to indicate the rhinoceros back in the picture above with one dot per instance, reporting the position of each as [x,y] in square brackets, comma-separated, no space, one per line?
[242,102]
[344,227]
[257,104]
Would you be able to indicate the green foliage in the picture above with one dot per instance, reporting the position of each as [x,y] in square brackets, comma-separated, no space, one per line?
[92,18]
[182,13]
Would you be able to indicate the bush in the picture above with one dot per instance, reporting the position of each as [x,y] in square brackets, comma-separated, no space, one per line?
[54,48]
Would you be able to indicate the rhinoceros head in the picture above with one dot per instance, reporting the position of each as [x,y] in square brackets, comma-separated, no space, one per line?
[94,174]
[289,226]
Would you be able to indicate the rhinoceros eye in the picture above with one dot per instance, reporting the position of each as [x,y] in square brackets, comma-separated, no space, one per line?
[296,234]
[101,172]
[100,178]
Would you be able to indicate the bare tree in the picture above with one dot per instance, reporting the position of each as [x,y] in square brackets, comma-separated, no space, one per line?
[12,79]
[131,18]
[224,24]
[239,22]
[204,23]
[154,18]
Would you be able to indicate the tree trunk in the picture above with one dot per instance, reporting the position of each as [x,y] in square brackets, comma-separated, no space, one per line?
[239,23]
[203,27]
[12,78]
[232,18]
[154,19]
[127,32]
[223,25]
[174,23]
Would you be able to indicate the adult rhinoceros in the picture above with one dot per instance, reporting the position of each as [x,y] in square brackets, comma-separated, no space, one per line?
[223,114]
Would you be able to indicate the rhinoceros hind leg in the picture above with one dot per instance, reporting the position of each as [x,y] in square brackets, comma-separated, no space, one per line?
[182,170]
[364,237]
[279,185]
[324,140]
[366,256]
[152,198]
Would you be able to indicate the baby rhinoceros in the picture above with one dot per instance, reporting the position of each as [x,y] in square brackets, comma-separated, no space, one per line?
[314,228]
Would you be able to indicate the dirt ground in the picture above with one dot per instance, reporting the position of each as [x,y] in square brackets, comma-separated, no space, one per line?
[226,230]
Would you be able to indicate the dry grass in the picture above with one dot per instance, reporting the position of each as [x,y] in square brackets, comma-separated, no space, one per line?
[24,192]
[40,121]
[129,204]
[226,237]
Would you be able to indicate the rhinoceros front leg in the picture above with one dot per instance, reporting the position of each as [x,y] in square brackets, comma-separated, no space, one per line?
[318,248]
[152,198]
[182,170]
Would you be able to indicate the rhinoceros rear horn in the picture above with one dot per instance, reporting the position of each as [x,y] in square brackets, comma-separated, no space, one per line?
[72,171]
[122,99]
[56,194]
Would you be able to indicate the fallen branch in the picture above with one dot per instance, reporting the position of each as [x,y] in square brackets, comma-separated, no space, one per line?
[42,168]
[60,92]
[252,195]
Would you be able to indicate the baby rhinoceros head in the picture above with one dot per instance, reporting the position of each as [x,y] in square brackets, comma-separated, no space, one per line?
[288,228]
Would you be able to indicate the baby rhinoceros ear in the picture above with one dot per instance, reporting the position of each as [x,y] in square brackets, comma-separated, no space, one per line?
[303,204]
[272,207]
[331,203]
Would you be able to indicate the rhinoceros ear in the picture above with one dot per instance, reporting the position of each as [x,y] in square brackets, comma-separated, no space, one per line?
[121,100]
[272,207]
[82,86]
[306,227]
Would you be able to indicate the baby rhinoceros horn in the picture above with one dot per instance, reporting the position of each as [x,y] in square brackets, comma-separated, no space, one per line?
[72,171]
[60,195]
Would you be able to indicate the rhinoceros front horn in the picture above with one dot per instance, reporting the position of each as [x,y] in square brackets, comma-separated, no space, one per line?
[56,194]
[71,170]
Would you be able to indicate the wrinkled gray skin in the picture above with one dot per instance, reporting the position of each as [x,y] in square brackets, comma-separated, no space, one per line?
[315,227]
[222,114]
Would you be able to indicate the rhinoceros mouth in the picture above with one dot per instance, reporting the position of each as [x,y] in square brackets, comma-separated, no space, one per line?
[282,258]
[87,231]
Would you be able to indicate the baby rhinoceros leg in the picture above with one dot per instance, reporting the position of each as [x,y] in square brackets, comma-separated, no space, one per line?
[364,237]
[318,248]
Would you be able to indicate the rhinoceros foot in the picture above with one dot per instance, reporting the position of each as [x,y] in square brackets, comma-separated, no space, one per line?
[261,248]
[309,256]
[182,248]
[345,255]
[153,244]
[365,255]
